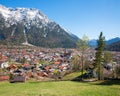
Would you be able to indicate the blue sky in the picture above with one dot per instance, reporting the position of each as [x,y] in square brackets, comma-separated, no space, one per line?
[80,17]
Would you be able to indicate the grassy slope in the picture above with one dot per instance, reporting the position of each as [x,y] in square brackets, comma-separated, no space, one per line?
[72,75]
[62,88]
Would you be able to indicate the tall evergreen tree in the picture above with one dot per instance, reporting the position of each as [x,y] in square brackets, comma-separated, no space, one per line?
[99,56]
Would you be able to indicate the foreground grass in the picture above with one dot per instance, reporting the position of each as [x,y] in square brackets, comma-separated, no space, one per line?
[61,88]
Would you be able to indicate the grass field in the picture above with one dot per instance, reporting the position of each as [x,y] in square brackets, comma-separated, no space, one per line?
[61,88]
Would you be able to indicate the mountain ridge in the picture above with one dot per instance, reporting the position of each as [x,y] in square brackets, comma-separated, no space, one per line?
[93,42]
[28,25]
[114,46]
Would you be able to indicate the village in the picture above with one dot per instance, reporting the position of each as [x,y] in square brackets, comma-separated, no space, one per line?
[39,63]
[21,63]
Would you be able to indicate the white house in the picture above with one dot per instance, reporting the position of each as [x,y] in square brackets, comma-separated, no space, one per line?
[4,65]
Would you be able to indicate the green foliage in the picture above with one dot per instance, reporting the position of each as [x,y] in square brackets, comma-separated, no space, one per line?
[45,62]
[11,76]
[82,46]
[107,57]
[56,74]
[117,71]
[76,63]
[99,56]
[1,70]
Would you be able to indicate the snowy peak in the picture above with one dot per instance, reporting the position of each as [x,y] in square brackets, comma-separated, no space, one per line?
[4,11]
[28,15]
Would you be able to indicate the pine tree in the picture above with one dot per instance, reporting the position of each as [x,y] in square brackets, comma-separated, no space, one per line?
[99,56]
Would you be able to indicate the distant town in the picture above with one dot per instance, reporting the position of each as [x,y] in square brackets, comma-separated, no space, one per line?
[45,64]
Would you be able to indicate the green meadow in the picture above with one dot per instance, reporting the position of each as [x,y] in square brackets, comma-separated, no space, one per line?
[60,88]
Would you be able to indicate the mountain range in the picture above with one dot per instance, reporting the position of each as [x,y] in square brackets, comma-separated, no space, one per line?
[114,46]
[111,44]
[30,26]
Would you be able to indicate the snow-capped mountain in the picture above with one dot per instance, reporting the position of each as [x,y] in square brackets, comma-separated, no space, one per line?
[25,15]
[29,25]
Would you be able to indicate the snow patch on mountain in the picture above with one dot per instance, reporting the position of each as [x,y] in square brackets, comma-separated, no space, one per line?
[27,15]
[4,11]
